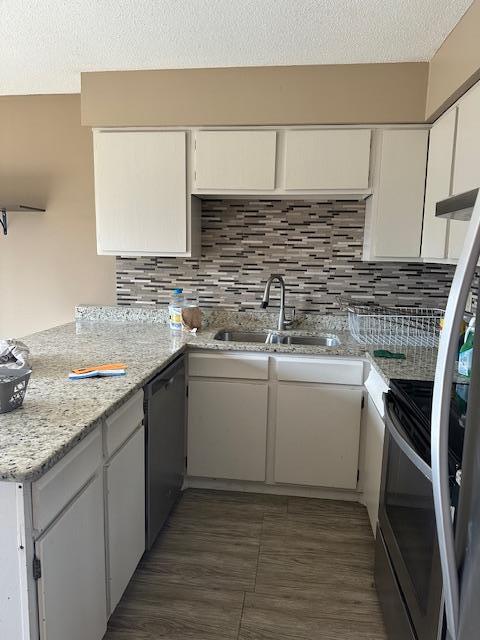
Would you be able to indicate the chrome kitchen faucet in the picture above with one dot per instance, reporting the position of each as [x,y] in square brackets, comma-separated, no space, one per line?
[282,323]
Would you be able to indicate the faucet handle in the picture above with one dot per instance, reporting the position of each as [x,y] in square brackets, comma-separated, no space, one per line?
[289,323]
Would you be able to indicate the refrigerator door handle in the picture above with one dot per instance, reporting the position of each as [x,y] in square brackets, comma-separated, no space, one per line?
[401,439]
[447,356]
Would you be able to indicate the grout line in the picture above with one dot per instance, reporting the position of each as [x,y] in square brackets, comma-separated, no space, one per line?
[258,554]
[288,506]
[258,560]
[241,616]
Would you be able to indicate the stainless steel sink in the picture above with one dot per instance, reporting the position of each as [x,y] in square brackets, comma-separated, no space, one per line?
[270,337]
[317,341]
[243,336]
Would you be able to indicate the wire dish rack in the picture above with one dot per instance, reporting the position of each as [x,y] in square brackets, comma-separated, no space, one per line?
[396,326]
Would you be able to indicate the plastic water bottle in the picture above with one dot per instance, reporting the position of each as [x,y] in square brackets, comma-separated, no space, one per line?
[465,355]
[177,302]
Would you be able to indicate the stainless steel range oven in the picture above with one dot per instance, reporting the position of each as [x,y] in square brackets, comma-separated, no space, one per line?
[407,562]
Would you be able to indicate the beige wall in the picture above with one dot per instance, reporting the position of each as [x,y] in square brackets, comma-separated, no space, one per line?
[48,261]
[329,94]
[455,67]
[316,94]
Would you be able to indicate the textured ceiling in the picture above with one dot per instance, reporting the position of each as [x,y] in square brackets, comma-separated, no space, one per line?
[45,44]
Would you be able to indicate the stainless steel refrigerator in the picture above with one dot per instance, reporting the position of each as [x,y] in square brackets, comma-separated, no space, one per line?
[459,533]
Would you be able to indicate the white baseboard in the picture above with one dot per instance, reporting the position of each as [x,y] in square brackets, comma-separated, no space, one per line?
[271,489]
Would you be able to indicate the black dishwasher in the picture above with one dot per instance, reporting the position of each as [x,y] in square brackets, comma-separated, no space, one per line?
[165,445]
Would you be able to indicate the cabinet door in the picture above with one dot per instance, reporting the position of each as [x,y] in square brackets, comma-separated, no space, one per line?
[227,429]
[230,160]
[456,238]
[395,230]
[140,191]
[372,465]
[125,476]
[327,159]
[72,590]
[466,173]
[317,435]
[439,178]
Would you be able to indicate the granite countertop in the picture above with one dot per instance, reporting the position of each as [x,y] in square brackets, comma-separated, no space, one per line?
[419,363]
[57,412]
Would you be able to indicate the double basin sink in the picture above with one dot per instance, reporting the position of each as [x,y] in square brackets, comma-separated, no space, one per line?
[272,337]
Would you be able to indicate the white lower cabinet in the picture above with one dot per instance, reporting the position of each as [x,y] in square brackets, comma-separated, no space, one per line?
[125,484]
[317,435]
[374,429]
[295,421]
[90,539]
[227,429]
[71,589]
[82,528]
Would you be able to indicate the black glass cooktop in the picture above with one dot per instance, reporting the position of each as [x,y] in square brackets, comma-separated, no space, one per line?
[413,400]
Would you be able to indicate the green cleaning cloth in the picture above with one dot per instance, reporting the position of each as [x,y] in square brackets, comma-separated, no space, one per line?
[382,353]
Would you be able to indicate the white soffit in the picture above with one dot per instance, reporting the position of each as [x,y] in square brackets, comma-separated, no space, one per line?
[45,44]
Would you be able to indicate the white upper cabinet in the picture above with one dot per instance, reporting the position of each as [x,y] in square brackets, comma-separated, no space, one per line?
[466,173]
[235,160]
[438,186]
[393,228]
[141,193]
[456,238]
[327,159]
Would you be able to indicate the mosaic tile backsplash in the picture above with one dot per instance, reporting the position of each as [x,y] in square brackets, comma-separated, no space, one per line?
[317,246]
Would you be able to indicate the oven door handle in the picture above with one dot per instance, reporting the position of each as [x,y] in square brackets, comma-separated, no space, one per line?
[401,438]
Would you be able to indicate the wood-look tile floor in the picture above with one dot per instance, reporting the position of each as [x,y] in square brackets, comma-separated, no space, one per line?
[236,566]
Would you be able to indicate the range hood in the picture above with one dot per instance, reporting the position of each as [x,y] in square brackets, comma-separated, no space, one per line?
[15,208]
[457,207]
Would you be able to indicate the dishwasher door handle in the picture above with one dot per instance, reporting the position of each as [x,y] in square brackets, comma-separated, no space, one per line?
[168,383]
[162,383]
[165,379]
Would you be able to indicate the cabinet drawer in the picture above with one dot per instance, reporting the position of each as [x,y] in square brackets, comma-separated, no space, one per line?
[123,422]
[251,367]
[58,486]
[325,370]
